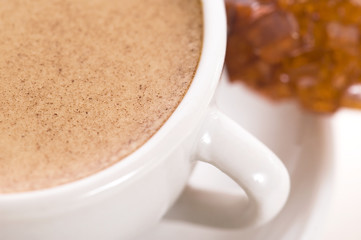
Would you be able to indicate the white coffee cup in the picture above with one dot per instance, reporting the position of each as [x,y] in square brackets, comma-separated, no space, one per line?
[129,197]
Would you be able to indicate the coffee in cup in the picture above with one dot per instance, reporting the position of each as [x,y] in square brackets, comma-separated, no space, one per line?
[85,83]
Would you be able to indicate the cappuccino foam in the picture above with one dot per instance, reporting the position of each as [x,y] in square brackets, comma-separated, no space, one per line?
[84,83]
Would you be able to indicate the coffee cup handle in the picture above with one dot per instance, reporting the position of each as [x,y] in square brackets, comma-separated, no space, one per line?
[257,170]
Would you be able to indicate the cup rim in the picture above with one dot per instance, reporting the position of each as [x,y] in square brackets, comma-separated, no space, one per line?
[200,93]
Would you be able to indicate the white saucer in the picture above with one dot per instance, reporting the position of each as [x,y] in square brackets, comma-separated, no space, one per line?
[303,141]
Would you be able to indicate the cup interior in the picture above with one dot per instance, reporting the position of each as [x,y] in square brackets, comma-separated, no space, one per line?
[189,112]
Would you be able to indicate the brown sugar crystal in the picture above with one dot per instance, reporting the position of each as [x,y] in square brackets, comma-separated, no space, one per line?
[308,50]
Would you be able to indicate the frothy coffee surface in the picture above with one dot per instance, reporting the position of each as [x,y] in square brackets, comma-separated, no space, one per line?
[83,83]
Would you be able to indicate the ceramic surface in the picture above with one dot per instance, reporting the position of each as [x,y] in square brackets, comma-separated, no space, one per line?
[130,196]
[127,197]
[344,214]
[304,142]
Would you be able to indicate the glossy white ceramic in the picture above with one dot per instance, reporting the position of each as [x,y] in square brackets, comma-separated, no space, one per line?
[343,218]
[129,197]
[307,144]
